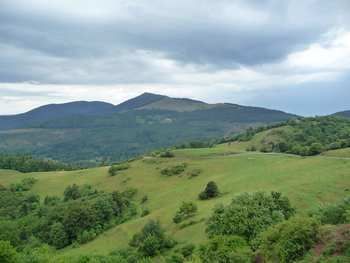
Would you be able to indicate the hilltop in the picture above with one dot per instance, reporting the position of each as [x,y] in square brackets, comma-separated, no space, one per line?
[92,132]
[345,114]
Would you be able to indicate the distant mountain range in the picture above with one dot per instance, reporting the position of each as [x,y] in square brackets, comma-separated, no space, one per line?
[88,132]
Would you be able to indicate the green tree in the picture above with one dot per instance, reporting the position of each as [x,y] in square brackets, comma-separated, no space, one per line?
[288,241]
[187,210]
[8,253]
[226,249]
[58,236]
[210,191]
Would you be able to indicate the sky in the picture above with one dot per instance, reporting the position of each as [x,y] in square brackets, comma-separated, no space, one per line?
[292,55]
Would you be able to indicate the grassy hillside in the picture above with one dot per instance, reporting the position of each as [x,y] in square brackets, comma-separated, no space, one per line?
[307,181]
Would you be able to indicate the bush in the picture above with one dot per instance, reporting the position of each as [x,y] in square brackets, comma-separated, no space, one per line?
[174,170]
[288,241]
[249,214]
[144,199]
[7,253]
[187,210]
[167,154]
[223,249]
[195,172]
[151,240]
[335,213]
[145,212]
[210,191]
[114,169]
[25,185]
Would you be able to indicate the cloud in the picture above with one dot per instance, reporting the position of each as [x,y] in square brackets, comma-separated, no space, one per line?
[55,51]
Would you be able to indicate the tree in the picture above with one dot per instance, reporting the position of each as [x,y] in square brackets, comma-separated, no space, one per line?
[226,249]
[151,240]
[288,241]
[72,193]
[210,191]
[58,236]
[8,253]
[187,210]
[248,215]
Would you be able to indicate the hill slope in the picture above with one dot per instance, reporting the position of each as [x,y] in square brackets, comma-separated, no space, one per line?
[91,132]
[343,114]
[308,182]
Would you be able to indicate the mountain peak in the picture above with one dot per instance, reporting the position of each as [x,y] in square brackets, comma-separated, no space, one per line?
[139,101]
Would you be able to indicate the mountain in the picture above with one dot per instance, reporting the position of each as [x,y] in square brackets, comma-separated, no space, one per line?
[88,132]
[343,114]
[55,111]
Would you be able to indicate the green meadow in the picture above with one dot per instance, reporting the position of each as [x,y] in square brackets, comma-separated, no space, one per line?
[307,181]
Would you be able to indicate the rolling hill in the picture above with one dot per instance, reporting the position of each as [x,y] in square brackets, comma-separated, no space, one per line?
[307,182]
[90,132]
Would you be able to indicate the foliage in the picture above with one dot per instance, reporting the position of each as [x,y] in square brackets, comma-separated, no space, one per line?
[80,217]
[174,170]
[25,185]
[151,240]
[114,169]
[288,241]
[226,249]
[8,254]
[27,164]
[338,213]
[304,136]
[210,191]
[249,214]
[167,154]
[186,210]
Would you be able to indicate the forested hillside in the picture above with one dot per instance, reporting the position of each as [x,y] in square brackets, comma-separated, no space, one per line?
[303,136]
[86,133]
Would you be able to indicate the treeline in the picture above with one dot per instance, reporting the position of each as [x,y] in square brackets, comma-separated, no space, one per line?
[27,164]
[305,136]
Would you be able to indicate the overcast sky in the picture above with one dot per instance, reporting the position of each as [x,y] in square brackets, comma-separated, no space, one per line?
[289,55]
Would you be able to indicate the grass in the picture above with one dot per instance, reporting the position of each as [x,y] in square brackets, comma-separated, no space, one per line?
[341,153]
[308,182]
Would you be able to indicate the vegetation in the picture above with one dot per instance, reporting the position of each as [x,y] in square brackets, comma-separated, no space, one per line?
[289,240]
[249,214]
[186,210]
[27,164]
[174,170]
[306,136]
[61,218]
[210,191]
[114,169]
[151,240]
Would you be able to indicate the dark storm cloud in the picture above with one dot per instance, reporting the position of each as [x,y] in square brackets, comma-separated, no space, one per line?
[61,44]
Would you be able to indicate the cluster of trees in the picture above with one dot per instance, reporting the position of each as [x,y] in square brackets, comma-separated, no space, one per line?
[27,164]
[186,210]
[306,136]
[78,217]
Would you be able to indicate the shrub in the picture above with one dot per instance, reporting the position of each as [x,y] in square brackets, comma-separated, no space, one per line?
[7,253]
[288,241]
[151,240]
[174,170]
[335,213]
[145,212]
[187,210]
[210,191]
[195,172]
[167,154]
[25,185]
[144,199]
[114,169]
[223,249]
[249,214]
